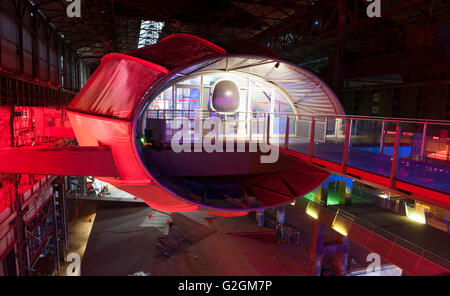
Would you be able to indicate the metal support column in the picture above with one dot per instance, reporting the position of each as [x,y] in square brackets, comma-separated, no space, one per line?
[395,155]
[383,126]
[319,249]
[35,43]
[341,256]
[281,214]
[315,258]
[260,217]
[20,11]
[20,227]
[311,139]
[347,144]
[56,234]
[423,145]
[337,75]
[250,123]
[286,136]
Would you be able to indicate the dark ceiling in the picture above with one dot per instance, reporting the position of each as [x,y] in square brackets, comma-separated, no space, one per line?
[303,31]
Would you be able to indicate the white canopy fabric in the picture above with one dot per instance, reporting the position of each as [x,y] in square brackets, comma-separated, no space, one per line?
[307,92]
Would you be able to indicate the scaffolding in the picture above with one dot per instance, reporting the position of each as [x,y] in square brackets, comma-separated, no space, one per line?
[25,92]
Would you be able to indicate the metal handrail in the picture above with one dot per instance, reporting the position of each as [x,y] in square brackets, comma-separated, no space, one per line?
[390,236]
[400,241]
[200,114]
[343,117]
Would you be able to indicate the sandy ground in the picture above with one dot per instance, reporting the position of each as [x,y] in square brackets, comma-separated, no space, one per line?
[124,241]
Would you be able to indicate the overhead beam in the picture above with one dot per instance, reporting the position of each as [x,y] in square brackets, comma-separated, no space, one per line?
[65,161]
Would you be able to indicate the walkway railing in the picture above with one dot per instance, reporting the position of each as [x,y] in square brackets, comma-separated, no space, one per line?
[413,151]
[407,150]
[25,92]
[390,236]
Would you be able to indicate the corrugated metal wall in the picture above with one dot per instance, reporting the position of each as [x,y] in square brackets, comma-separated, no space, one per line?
[30,47]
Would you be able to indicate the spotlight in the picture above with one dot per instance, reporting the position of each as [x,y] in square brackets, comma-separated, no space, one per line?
[384,196]
[313,210]
[341,224]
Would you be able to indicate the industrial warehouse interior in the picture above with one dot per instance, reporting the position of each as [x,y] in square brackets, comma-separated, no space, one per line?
[224,138]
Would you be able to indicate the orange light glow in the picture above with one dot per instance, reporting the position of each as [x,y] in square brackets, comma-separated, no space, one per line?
[440,155]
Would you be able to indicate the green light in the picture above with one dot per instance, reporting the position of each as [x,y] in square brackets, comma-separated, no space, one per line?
[142,139]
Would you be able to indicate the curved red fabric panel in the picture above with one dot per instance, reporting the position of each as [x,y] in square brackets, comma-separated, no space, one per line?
[94,131]
[178,50]
[116,86]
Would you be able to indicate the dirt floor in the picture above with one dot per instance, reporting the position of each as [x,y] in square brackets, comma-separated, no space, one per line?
[137,241]
[81,218]
[118,238]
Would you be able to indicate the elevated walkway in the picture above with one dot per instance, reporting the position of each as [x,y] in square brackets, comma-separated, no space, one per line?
[406,156]
[410,157]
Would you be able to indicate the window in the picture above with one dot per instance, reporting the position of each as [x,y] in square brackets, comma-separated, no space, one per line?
[255,95]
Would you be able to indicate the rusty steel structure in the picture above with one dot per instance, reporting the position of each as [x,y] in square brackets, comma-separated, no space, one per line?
[395,66]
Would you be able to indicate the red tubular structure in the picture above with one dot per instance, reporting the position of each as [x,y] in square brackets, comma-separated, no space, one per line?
[105,115]
[101,114]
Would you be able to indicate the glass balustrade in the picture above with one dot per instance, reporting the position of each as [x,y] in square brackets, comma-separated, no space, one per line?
[371,146]
[412,151]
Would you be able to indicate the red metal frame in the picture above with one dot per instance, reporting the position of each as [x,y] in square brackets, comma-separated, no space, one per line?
[389,183]
[400,187]
[387,248]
